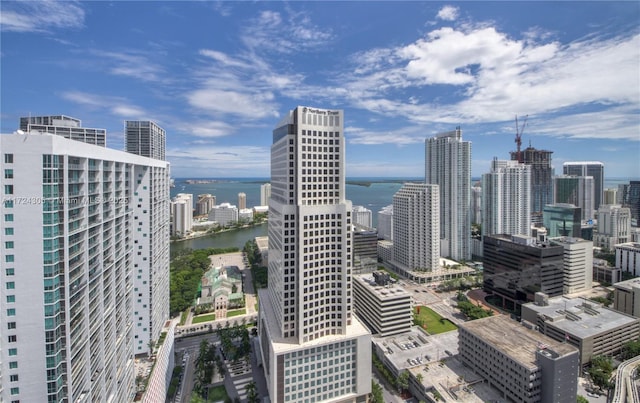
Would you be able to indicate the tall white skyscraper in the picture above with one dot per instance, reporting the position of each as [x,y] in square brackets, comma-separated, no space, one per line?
[385,223]
[576,190]
[416,229]
[144,137]
[506,199]
[594,169]
[362,216]
[75,218]
[614,226]
[313,347]
[448,165]
[265,194]
[476,205]
[181,214]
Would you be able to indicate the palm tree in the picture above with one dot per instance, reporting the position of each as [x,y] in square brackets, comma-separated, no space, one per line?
[252,395]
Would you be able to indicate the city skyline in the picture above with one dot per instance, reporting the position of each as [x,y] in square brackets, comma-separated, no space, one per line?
[402,72]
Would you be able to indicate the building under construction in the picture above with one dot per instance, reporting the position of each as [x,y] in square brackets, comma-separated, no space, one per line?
[541,178]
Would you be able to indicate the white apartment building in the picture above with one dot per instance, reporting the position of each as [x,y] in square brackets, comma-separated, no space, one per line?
[65,126]
[362,216]
[224,214]
[577,263]
[628,258]
[386,308]
[182,214]
[416,229]
[385,223]
[205,203]
[265,194]
[614,226]
[448,164]
[242,201]
[313,348]
[506,198]
[84,251]
[610,196]
[476,205]
[144,137]
[245,214]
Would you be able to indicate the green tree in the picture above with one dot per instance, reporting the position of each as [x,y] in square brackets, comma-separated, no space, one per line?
[600,371]
[252,394]
[631,349]
[376,392]
[582,399]
[403,381]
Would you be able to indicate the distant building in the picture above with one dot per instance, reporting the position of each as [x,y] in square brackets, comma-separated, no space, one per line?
[541,178]
[146,138]
[614,226]
[245,215]
[582,323]
[604,273]
[448,165]
[634,201]
[222,289]
[626,297]
[610,196]
[383,306]
[562,219]
[576,190]
[577,263]
[506,199]
[265,194]
[181,214]
[205,203]
[595,169]
[365,250]
[517,267]
[523,364]
[385,251]
[628,258]
[385,223]
[224,214]
[416,227]
[242,201]
[65,126]
[476,205]
[362,217]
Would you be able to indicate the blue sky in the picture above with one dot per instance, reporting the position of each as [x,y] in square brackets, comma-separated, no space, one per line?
[219,75]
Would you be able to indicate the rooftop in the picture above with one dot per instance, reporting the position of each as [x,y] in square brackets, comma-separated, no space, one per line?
[381,291]
[513,339]
[628,284]
[580,317]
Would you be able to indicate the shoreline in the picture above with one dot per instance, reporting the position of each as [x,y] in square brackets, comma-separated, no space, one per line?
[202,234]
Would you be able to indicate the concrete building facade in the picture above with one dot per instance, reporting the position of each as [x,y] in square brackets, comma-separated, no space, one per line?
[146,138]
[65,126]
[506,199]
[77,211]
[576,190]
[523,364]
[181,214]
[448,165]
[562,219]
[385,223]
[265,194]
[242,201]
[577,263]
[224,214]
[595,169]
[312,345]
[205,203]
[626,297]
[362,217]
[628,258]
[614,226]
[541,178]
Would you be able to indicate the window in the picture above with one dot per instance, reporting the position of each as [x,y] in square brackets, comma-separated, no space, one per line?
[9,272]
[8,158]
[11,312]
[8,231]
[11,325]
[11,299]
[9,258]
[13,352]
[13,338]
[8,217]
[11,285]
[13,378]
[8,189]
[8,244]
[15,391]
[8,173]
[13,364]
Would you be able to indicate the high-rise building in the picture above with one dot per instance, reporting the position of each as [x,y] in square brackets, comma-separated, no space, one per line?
[562,219]
[576,190]
[610,196]
[516,267]
[595,169]
[614,226]
[476,205]
[578,263]
[144,137]
[242,201]
[265,194]
[365,250]
[448,165]
[541,179]
[362,217]
[77,211]
[205,203]
[151,262]
[313,347]
[65,126]
[181,214]
[385,223]
[634,202]
[506,199]
[416,233]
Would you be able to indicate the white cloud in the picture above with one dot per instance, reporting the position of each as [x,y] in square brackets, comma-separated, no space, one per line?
[219,160]
[448,13]
[256,104]
[117,106]
[132,63]
[399,137]
[41,16]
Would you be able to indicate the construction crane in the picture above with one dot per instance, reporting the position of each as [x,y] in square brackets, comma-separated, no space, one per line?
[519,130]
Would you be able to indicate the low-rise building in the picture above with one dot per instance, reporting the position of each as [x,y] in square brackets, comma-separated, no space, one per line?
[224,214]
[626,297]
[523,364]
[383,306]
[592,328]
[628,258]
